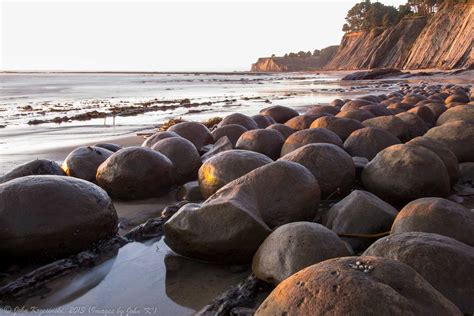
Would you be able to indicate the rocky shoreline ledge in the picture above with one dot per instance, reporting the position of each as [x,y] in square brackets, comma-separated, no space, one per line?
[351,207]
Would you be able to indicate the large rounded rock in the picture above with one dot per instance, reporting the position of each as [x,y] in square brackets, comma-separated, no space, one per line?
[377,110]
[425,114]
[337,287]
[402,173]
[52,216]
[356,114]
[279,113]
[444,262]
[460,97]
[153,139]
[436,108]
[230,225]
[295,246]
[83,162]
[239,119]
[362,213]
[195,132]
[264,141]
[284,130]
[368,142]
[310,136]
[330,165]
[135,173]
[322,109]
[302,122]
[263,121]
[226,167]
[438,216]
[415,125]
[184,156]
[447,156]
[390,123]
[457,113]
[343,127]
[458,136]
[232,131]
[35,167]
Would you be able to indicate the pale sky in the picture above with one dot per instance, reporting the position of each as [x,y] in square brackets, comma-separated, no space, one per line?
[151,35]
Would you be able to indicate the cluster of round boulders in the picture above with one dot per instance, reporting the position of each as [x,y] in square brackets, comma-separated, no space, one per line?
[343,127]
[295,246]
[330,165]
[438,216]
[360,213]
[344,286]
[230,225]
[231,131]
[368,142]
[227,166]
[135,173]
[309,136]
[264,141]
[279,113]
[402,173]
[184,156]
[450,269]
[47,216]
[35,167]
[83,162]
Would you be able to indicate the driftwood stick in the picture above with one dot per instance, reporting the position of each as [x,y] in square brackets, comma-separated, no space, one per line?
[243,294]
[39,277]
[36,279]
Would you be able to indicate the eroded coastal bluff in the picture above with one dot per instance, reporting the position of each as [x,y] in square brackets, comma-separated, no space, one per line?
[443,40]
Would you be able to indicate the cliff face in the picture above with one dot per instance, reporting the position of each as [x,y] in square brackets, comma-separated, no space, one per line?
[447,40]
[379,48]
[444,41]
[296,63]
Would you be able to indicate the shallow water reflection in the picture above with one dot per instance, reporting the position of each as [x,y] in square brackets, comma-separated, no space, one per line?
[145,279]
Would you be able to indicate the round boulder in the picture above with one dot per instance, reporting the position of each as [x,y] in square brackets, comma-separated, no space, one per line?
[263,121]
[447,156]
[438,216]
[35,167]
[184,156]
[153,139]
[83,162]
[310,136]
[294,246]
[343,127]
[135,173]
[402,173]
[232,131]
[195,132]
[389,123]
[52,216]
[425,114]
[240,119]
[458,113]
[264,141]
[362,213]
[330,165]
[458,136]
[322,109]
[227,166]
[279,113]
[415,125]
[284,130]
[356,114]
[368,142]
[338,287]
[302,122]
[447,264]
[461,98]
